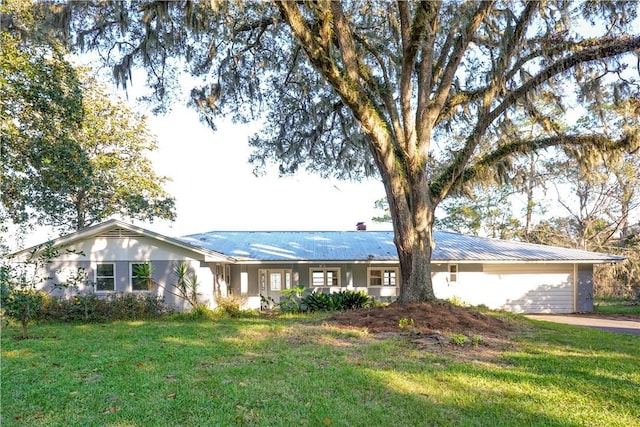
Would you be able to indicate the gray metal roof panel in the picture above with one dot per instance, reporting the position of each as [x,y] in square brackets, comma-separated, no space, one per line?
[454,246]
[299,245]
[377,246]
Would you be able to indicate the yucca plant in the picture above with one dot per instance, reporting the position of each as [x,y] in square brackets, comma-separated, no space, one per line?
[144,275]
[186,284]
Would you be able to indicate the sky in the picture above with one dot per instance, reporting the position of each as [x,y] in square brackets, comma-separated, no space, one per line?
[215,187]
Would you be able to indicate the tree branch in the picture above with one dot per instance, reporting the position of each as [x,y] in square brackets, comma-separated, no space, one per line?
[345,42]
[599,142]
[453,173]
[599,51]
[455,58]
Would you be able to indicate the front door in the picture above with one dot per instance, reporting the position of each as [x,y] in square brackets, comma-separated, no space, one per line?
[272,282]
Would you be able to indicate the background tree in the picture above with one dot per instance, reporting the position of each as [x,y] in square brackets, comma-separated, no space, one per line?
[426,95]
[101,170]
[40,106]
[70,156]
[486,211]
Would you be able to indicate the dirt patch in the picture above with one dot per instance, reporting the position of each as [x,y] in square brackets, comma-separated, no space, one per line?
[423,319]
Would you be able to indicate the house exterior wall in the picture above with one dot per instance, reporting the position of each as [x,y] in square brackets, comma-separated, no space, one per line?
[127,248]
[530,288]
[353,276]
[521,288]
[122,252]
[469,277]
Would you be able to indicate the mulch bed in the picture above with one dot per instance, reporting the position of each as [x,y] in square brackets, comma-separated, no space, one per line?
[427,318]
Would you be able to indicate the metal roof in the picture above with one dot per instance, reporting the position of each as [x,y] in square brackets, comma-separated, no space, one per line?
[378,246]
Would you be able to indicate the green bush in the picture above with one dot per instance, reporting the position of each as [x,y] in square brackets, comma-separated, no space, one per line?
[458,339]
[291,300]
[343,300]
[90,308]
[202,312]
[230,306]
[317,302]
[23,305]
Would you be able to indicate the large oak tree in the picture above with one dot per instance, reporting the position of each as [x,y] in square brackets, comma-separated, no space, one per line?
[426,95]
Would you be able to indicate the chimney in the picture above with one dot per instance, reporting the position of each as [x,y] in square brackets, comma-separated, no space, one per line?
[361,226]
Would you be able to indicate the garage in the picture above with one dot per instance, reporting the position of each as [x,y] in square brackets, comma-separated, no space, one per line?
[531,288]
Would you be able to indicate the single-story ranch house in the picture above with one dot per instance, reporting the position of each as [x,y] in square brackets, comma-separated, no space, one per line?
[514,276]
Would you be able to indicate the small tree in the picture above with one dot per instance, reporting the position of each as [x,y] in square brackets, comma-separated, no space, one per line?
[20,300]
[20,297]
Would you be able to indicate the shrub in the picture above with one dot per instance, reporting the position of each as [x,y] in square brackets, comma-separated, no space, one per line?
[457,301]
[352,300]
[201,311]
[291,301]
[458,339]
[90,308]
[476,340]
[318,302]
[24,305]
[343,300]
[230,306]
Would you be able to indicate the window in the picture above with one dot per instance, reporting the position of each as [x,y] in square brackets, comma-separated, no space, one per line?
[140,276]
[325,276]
[453,273]
[105,277]
[275,279]
[383,277]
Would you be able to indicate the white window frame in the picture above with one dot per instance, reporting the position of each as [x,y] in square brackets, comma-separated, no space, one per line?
[277,284]
[324,270]
[453,273]
[97,277]
[383,270]
[264,279]
[131,264]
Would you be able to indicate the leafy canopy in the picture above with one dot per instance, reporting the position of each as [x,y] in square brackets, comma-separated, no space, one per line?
[71,156]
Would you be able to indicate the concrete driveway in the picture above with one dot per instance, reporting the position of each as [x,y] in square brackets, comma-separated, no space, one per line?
[620,324]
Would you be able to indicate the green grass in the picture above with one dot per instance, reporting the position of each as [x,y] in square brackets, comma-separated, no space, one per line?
[617,306]
[291,371]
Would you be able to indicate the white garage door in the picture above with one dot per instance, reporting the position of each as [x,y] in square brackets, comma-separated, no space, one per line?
[533,288]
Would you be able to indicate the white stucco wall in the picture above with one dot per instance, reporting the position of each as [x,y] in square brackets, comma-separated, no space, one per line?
[127,248]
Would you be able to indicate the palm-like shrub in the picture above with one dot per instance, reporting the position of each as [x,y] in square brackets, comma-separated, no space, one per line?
[338,301]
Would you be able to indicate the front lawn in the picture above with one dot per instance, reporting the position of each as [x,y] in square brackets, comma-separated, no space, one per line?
[297,371]
[617,306]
